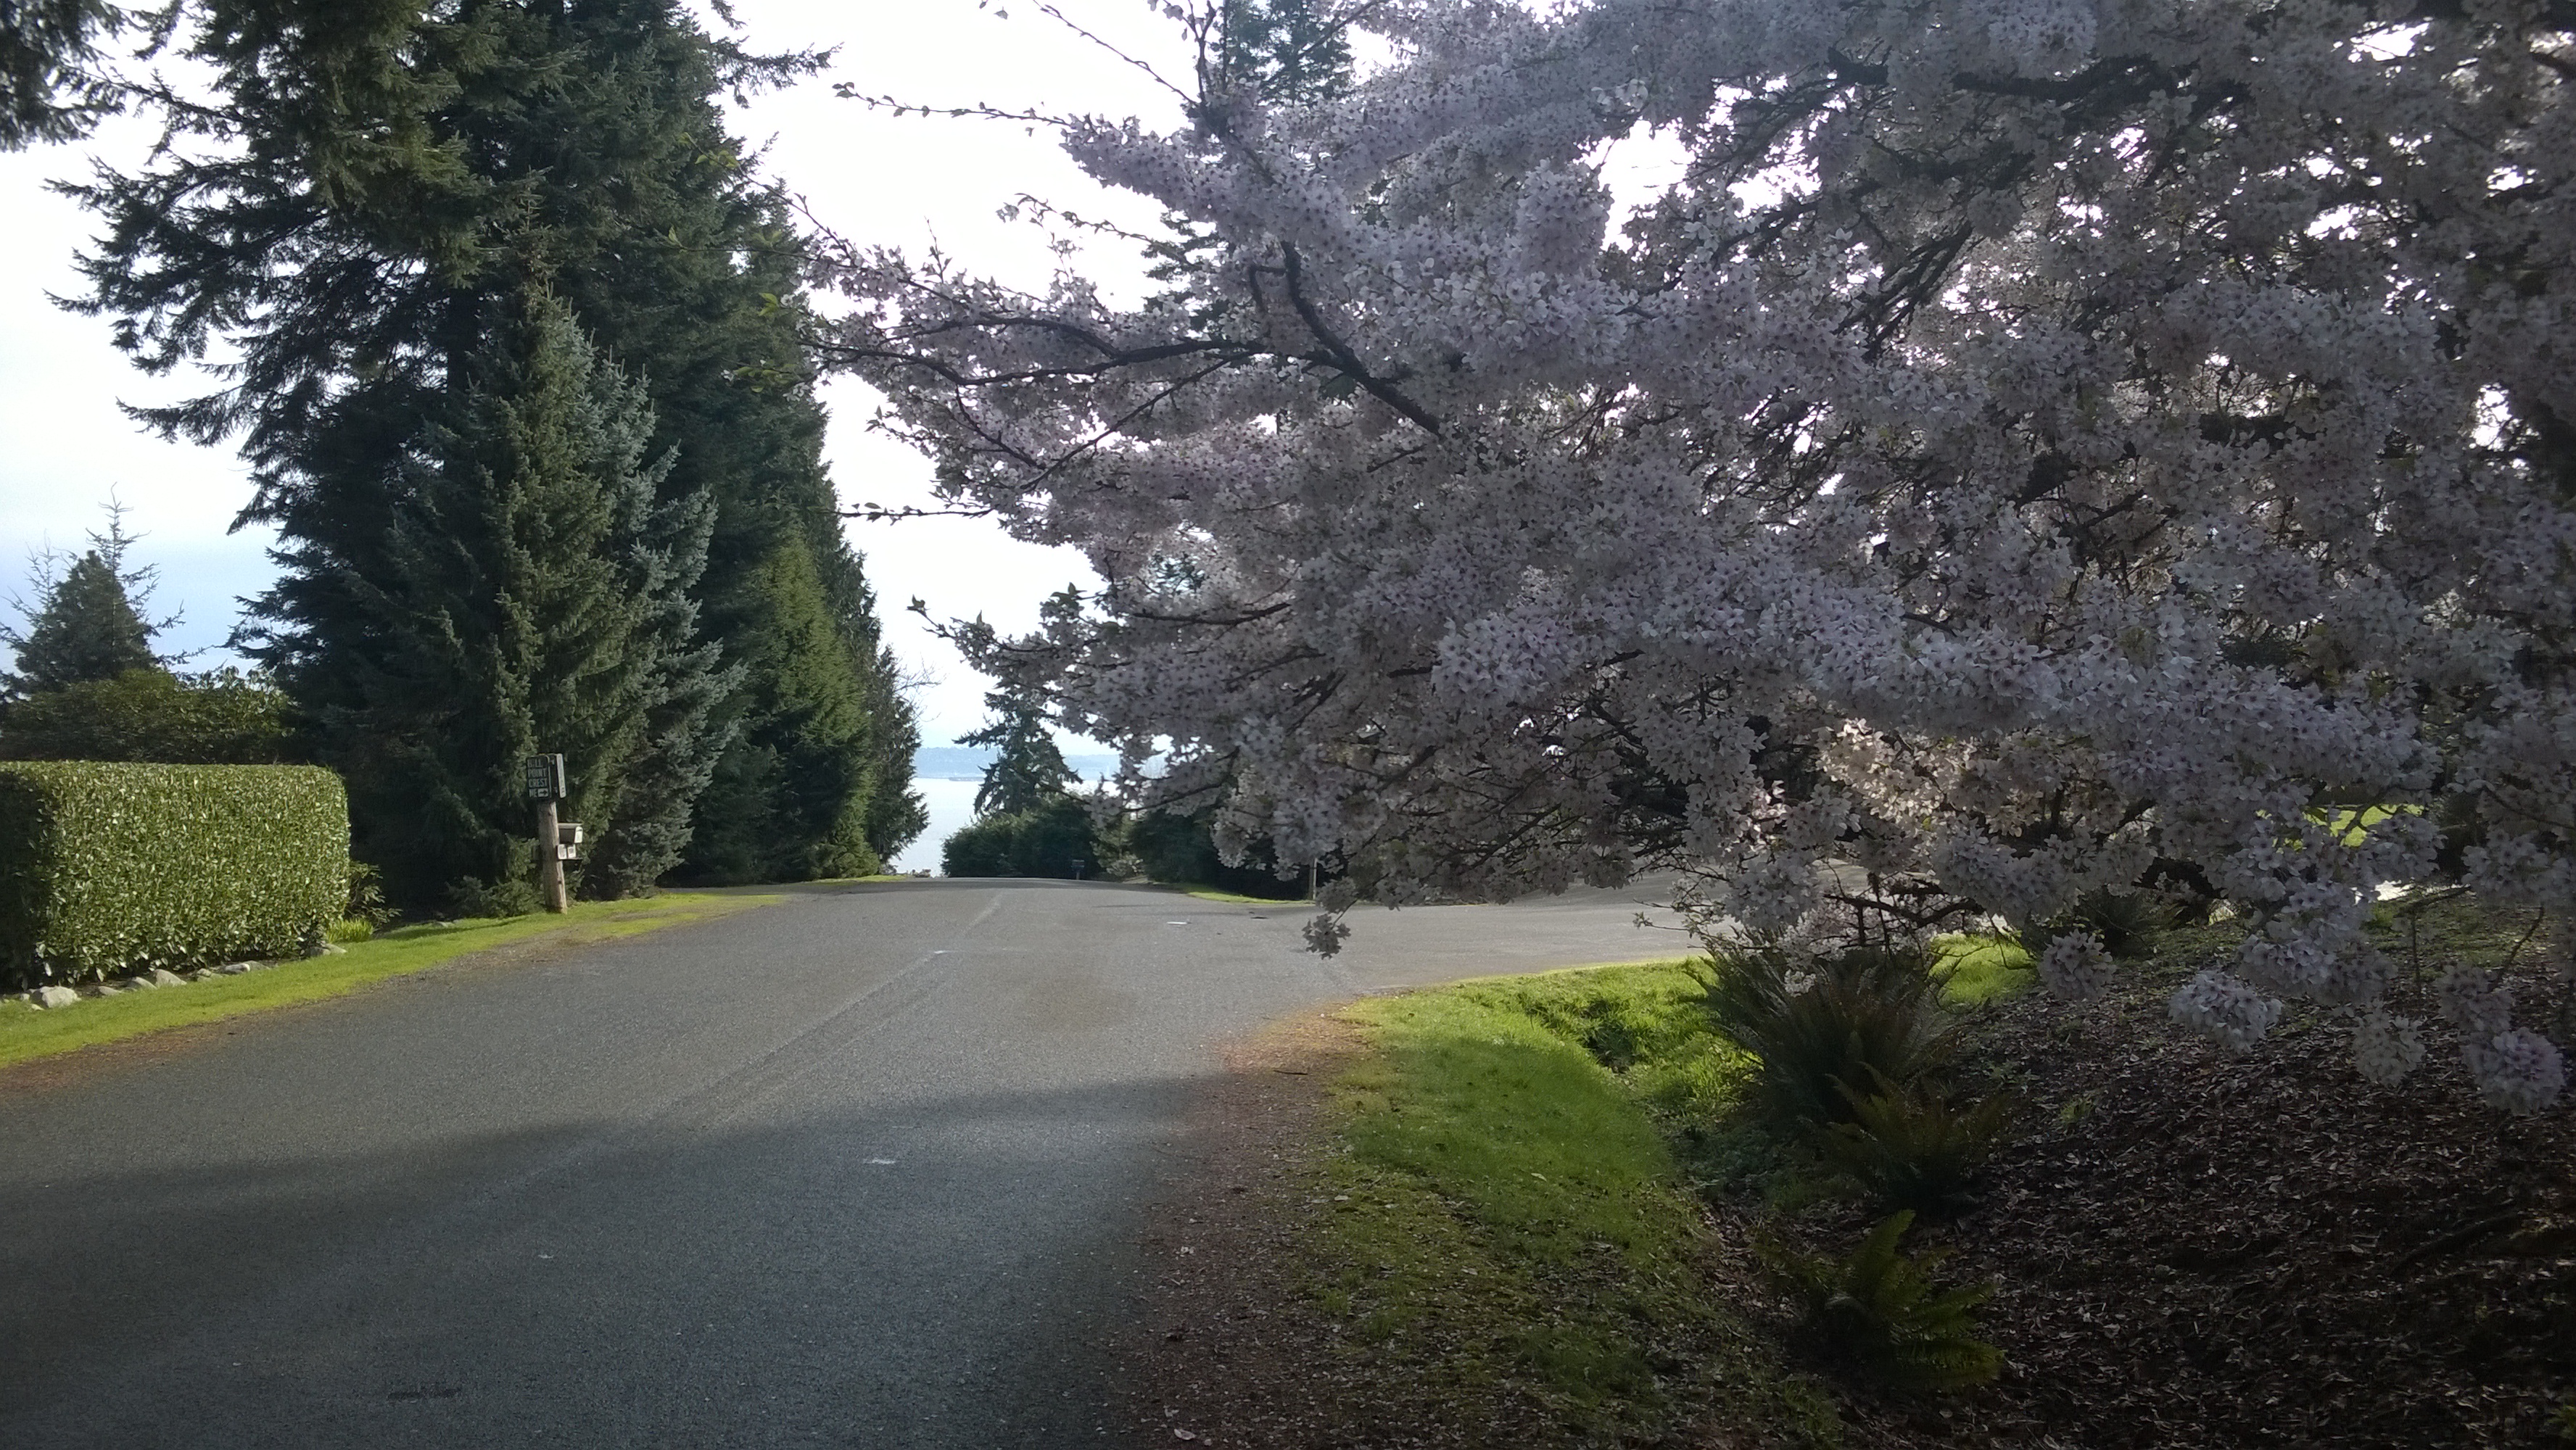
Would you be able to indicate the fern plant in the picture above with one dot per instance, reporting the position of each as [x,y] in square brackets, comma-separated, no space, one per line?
[2128,924]
[1880,1308]
[1864,1015]
[1910,1146]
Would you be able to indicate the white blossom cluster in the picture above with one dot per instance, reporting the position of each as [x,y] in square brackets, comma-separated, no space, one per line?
[2076,967]
[2038,446]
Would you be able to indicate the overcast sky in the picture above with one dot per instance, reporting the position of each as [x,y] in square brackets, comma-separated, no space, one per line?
[65,447]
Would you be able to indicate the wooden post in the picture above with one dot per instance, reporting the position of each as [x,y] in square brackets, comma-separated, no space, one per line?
[550,875]
[546,788]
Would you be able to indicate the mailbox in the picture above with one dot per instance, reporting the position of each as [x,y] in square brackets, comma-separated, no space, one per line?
[568,841]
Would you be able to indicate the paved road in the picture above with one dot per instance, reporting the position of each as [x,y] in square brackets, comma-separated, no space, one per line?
[860,1169]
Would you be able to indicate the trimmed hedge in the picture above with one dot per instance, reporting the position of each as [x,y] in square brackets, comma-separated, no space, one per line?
[110,868]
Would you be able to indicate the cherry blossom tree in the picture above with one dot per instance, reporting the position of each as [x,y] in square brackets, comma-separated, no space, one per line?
[2036,446]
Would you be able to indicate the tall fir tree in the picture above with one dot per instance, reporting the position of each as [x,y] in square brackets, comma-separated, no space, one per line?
[536,601]
[399,166]
[1028,769]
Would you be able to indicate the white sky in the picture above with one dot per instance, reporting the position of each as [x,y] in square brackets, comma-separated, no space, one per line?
[65,447]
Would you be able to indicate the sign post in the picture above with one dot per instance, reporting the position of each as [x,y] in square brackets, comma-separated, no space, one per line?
[546,788]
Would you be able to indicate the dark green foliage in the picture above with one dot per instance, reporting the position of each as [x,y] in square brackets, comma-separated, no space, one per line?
[107,868]
[897,814]
[1287,50]
[790,801]
[1880,1310]
[1911,1147]
[2129,924]
[222,718]
[413,165]
[83,626]
[1028,769]
[1860,1016]
[534,599]
[49,88]
[1180,850]
[1054,839]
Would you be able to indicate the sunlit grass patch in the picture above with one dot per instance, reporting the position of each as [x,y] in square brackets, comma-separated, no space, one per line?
[1237,898]
[1977,969]
[1504,1214]
[27,1033]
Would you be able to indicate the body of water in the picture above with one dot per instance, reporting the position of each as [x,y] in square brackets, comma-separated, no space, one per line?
[952,804]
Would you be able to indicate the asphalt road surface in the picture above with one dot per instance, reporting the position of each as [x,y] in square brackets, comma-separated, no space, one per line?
[861,1169]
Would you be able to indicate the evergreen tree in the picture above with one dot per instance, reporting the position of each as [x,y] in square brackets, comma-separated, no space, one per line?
[897,814]
[403,166]
[1028,771]
[84,625]
[808,744]
[1287,50]
[50,89]
[536,600]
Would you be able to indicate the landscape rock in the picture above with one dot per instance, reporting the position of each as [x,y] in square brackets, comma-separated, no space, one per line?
[105,989]
[53,996]
[162,977]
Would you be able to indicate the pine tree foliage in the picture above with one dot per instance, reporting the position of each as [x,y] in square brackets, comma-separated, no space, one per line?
[1286,51]
[50,87]
[807,749]
[536,601]
[83,625]
[352,219]
[1029,770]
[897,813]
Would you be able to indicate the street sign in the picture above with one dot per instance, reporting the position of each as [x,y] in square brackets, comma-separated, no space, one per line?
[545,778]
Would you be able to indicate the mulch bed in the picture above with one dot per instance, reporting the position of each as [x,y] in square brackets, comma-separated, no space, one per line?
[2203,1250]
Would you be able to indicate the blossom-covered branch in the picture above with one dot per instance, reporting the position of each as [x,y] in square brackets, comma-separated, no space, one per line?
[2038,446]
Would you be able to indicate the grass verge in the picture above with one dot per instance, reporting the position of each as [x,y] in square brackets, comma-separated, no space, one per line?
[1236,898]
[27,1033]
[1503,1222]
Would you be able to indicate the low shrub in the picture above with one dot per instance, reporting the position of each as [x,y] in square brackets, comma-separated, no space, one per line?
[1817,1024]
[1911,1147]
[2128,924]
[1180,850]
[1055,839]
[106,868]
[1880,1310]
[221,718]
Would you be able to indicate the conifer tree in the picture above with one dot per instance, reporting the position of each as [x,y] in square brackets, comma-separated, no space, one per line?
[536,601]
[402,168]
[50,89]
[1029,770]
[83,624]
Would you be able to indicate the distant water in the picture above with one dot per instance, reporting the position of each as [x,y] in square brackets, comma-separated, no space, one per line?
[952,804]
[947,777]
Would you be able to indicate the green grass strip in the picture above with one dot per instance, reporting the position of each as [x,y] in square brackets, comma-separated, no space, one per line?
[27,1033]
[1236,898]
[1508,1217]
[1977,969]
